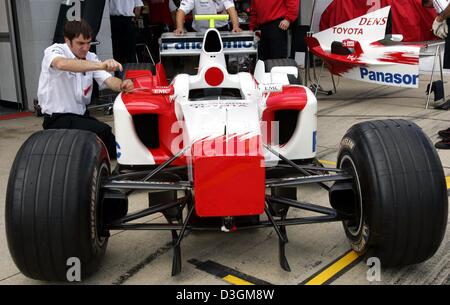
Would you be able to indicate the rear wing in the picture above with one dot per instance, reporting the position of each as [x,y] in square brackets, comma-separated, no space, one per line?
[368,28]
[191,44]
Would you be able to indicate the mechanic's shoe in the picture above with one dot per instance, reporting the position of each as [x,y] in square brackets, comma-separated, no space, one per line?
[443,106]
[444,133]
[444,144]
[438,88]
[439,98]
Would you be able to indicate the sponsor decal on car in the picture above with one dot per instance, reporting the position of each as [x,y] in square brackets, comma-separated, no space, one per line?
[389,78]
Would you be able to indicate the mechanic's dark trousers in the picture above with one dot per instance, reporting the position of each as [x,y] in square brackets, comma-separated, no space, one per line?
[123,35]
[83,122]
[274,41]
[447,50]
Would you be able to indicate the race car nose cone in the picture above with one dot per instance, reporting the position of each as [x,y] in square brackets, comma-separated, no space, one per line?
[214,77]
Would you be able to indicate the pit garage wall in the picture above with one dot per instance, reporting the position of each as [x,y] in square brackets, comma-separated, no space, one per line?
[37,21]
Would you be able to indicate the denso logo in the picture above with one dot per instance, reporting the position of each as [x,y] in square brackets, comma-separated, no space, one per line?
[389,78]
[373,21]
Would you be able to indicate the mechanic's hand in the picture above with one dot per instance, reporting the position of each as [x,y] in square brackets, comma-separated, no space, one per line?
[237,30]
[179,32]
[440,28]
[127,86]
[284,25]
[111,65]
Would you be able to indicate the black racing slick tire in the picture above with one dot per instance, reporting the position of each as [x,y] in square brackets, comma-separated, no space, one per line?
[284,62]
[401,205]
[53,215]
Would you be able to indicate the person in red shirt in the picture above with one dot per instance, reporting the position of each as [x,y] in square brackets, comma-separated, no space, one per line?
[273,18]
[160,13]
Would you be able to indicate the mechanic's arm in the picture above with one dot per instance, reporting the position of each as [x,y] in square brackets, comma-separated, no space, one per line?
[292,14]
[444,15]
[118,85]
[234,19]
[137,12]
[181,17]
[173,11]
[82,66]
[138,6]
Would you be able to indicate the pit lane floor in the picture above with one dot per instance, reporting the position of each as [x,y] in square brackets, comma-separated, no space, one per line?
[318,254]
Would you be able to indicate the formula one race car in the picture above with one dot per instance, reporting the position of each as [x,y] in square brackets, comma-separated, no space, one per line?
[216,151]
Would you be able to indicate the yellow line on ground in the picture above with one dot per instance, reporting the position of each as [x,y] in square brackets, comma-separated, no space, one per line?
[448,182]
[331,271]
[328,162]
[236,281]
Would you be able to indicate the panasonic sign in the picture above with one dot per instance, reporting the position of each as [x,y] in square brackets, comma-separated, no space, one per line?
[389,78]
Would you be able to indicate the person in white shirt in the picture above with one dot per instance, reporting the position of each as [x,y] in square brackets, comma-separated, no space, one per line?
[440,26]
[207,7]
[123,32]
[173,7]
[440,29]
[66,82]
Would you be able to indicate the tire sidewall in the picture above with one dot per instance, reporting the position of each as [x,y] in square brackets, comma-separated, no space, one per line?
[96,244]
[360,238]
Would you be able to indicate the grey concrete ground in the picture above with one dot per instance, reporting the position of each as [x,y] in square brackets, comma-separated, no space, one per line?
[145,257]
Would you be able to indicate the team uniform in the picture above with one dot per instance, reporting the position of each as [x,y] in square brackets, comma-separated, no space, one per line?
[267,15]
[172,6]
[206,7]
[160,12]
[123,33]
[63,96]
[440,6]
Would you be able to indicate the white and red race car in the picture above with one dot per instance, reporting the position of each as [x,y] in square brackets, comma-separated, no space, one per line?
[220,151]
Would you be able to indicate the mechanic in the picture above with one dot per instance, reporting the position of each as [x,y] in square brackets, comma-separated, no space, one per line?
[173,7]
[123,32]
[160,12]
[207,7]
[273,18]
[440,29]
[66,81]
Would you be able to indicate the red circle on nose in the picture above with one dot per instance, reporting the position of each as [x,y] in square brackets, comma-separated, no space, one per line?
[214,76]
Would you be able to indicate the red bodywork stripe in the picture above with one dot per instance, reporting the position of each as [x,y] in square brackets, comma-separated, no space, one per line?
[291,98]
[14,116]
[144,101]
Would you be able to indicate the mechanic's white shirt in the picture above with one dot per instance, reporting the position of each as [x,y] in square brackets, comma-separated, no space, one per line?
[66,92]
[124,7]
[206,7]
[440,5]
[172,6]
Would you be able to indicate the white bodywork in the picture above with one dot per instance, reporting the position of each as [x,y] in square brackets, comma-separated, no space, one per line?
[395,64]
[209,119]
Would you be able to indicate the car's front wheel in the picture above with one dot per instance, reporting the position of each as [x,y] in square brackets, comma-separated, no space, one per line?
[400,207]
[53,210]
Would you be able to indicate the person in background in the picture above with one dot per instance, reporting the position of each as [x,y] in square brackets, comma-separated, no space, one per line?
[123,32]
[440,29]
[273,18]
[66,81]
[207,7]
[160,12]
